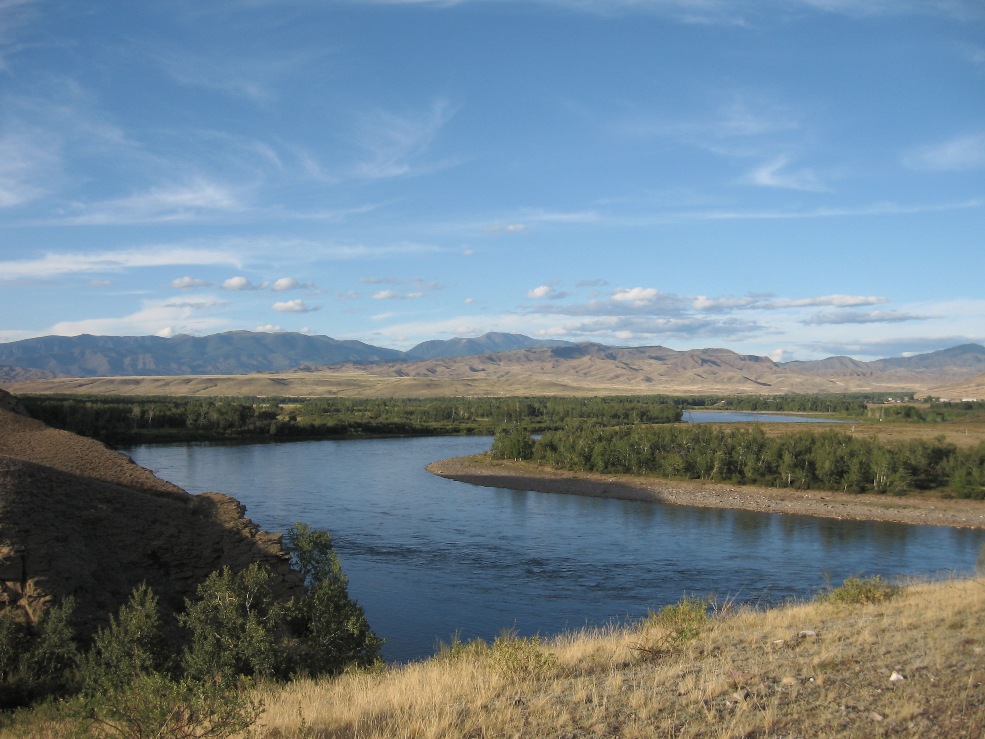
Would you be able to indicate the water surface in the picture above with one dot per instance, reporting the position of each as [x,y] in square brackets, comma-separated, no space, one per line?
[428,557]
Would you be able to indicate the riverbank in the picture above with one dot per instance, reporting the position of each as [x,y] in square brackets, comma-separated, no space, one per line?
[485,471]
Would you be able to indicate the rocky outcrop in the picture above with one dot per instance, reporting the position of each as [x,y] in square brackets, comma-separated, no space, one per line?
[79,519]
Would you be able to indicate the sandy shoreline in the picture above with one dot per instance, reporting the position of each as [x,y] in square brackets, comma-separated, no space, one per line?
[484,471]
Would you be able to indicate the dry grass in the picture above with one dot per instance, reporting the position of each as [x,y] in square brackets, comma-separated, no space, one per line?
[814,669]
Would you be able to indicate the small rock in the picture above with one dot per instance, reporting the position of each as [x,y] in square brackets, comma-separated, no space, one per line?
[805,634]
[896,677]
[877,716]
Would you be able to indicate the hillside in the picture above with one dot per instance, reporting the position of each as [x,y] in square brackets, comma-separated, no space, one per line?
[77,518]
[582,369]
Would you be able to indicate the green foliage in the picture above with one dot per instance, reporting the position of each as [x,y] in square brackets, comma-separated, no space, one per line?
[829,460]
[681,622]
[513,443]
[127,690]
[856,590]
[132,645]
[155,705]
[36,660]
[330,630]
[512,655]
[234,625]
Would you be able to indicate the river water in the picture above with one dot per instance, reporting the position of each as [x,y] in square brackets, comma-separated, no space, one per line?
[428,557]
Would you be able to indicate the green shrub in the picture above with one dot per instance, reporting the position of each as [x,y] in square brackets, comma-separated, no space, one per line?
[681,621]
[857,590]
[520,656]
[127,690]
[234,624]
[36,660]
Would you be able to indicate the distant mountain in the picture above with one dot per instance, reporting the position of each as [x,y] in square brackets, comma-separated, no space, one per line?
[490,343]
[234,352]
[964,359]
[315,365]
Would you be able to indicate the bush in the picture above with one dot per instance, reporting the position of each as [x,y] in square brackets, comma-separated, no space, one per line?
[857,590]
[513,443]
[235,624]
[682,621]
[36,660]
[127,691]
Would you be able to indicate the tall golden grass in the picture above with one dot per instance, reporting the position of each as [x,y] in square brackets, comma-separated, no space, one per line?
[912,664]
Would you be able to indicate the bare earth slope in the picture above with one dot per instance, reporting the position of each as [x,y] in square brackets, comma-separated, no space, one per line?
[77,518]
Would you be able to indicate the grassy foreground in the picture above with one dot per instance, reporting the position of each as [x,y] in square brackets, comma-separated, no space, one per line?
[868,659]
[876,663]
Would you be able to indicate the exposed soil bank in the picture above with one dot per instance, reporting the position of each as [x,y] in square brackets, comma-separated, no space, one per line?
[485,471]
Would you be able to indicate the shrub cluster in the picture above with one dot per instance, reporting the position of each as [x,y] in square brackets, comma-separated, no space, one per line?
[136,679]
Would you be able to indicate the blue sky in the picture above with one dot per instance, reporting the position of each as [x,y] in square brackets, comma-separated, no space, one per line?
[791,178]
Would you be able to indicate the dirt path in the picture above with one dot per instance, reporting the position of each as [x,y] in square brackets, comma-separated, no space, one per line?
[482,470]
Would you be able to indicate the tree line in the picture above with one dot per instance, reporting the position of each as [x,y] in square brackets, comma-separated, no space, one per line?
[125,420]
[828,460]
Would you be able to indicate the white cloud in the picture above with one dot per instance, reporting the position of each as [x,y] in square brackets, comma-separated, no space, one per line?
[238,283]
[285,283]
[158,318]
[186,282]
[53,264]
[396,142]
[542,291]
[776,174]
[28,161]
[294,306]
[849,316]
[957,154]
[194,201]
[268,329]
[394,295]
[637,295]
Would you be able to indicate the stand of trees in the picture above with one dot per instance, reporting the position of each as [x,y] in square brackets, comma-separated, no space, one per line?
[828,460]
[123,420]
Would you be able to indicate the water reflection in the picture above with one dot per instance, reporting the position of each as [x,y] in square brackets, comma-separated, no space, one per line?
[428,557]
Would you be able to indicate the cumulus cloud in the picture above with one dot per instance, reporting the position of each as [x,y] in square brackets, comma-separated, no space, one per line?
[638,296]
[285,283]
[268,329]
[238,283]
[540,292]
[293,306]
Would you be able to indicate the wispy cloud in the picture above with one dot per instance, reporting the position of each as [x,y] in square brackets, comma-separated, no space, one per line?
[54,264]
[957,154]
[199,199]
[848,317]
[28,162]
[776,173]
[397,142]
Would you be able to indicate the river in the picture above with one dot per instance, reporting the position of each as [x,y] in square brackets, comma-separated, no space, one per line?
[428,557]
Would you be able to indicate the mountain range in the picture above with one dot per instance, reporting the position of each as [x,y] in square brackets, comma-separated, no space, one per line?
[248,363]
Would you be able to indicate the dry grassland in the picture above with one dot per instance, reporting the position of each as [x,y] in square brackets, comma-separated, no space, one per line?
[912,665]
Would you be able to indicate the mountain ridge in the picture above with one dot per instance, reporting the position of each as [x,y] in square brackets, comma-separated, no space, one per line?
[283,364]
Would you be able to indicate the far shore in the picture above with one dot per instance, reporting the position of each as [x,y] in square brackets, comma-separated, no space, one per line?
[910,509]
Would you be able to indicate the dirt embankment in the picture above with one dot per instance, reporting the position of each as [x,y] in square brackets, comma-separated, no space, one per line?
[485,471]
[79,519]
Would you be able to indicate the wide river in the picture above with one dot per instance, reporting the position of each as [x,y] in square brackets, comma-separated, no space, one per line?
[428,557]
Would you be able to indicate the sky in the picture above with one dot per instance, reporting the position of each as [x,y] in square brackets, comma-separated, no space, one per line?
[787,178]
